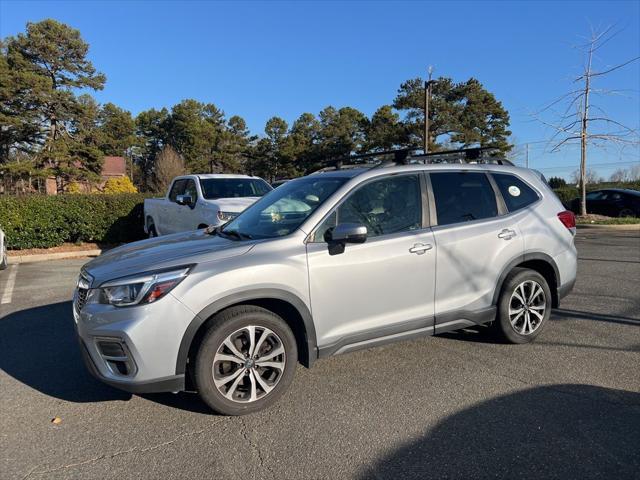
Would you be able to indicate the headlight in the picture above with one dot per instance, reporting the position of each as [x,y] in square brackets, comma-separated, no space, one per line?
[138,289]
[226,216]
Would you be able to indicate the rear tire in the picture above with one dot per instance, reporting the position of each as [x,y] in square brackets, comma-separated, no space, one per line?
[626,212]
[246,360]
[524,306]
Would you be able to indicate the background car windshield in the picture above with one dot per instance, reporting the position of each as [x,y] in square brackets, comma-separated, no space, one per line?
[283,210]
[213,188]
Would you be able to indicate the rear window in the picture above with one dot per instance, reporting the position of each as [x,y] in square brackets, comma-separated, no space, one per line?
[463,197]
[515,192]
[213,188]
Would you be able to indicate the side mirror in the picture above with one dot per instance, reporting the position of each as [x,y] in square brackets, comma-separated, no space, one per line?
[184,200]
[343,233]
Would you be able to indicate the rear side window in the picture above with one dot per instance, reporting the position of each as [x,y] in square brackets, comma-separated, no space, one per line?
[515,192]
[463,197]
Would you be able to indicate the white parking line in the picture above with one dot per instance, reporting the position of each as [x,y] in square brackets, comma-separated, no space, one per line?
[11,282]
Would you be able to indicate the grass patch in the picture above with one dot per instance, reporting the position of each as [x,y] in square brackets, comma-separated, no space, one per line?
[600,220]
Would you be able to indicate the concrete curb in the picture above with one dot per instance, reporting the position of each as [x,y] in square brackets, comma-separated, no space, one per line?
[43,257]
[595,226]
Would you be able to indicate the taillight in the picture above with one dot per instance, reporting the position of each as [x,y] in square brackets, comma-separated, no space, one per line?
[568,219]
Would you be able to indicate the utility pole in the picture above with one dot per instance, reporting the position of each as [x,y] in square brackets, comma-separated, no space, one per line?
[526,156]
[584,121]
[427,99]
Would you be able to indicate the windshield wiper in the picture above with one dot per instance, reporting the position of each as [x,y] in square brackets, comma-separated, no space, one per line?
[234,234]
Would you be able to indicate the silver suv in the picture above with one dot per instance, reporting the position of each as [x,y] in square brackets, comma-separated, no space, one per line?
[326,264]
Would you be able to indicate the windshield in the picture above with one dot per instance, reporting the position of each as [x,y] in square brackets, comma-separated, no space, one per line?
[283,210]
[213,188]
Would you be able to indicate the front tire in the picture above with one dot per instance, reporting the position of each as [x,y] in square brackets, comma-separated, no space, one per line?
[151,229]
[246,360]
[626,212]
[524,306]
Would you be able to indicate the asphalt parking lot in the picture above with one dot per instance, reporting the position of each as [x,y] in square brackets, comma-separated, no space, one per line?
[453,406]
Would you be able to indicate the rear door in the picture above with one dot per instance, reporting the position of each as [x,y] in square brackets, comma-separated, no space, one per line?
[384,286]
[474,242]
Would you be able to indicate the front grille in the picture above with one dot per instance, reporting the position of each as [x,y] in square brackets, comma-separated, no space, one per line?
[81,298]
[82,291]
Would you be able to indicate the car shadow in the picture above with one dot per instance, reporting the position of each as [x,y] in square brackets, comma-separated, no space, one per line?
[558,431]
[483,334]
[38,347]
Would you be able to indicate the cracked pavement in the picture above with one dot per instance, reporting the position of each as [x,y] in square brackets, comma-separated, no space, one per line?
[453,406]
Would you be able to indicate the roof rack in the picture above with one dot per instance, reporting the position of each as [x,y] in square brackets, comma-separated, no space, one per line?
[407,156]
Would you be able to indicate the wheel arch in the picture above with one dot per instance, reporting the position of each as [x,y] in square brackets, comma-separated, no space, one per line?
[539,262]
[285,304]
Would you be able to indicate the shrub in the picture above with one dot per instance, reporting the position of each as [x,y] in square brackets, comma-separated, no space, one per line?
[566,194]
[119,185]
[40,221]
[74,187]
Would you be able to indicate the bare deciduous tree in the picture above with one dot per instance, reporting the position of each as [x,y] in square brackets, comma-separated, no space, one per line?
[168,165]
[620,175]
[590,177]
[582,121]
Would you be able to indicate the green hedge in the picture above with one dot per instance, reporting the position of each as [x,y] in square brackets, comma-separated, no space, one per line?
[39,221]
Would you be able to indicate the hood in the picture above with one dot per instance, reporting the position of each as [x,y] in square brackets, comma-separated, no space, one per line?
[162,252]
[234,204]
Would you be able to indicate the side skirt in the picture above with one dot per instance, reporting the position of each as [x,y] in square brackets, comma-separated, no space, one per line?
[457,319]
[407,330]
[422,327]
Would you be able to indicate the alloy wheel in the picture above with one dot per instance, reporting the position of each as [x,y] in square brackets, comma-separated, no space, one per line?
[249,364]
[527,307]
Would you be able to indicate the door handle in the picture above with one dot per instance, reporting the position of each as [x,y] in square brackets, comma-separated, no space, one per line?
[420,248]
[507,234]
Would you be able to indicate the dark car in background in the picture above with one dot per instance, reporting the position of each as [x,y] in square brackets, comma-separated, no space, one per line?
[612,202]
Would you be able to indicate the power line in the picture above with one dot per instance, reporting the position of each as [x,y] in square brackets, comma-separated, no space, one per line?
[612,164]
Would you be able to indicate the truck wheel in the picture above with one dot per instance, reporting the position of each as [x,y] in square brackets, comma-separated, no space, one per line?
[151,229]
[524,306]
[246,360]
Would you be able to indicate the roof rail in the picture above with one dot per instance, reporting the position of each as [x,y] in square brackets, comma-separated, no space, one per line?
[406,156]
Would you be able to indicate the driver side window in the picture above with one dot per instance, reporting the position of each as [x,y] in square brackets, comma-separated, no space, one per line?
[390,205]
[190,190]
[177,189]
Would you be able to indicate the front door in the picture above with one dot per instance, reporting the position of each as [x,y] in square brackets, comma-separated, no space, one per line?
[171,215]
[384,286]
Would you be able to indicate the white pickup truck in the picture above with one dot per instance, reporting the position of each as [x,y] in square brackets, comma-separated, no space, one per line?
[199,201]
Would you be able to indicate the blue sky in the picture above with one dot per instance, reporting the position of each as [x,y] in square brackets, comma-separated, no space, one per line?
[259,59]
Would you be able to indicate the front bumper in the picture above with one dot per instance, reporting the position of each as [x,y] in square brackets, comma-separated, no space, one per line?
[149,335]
[174,383]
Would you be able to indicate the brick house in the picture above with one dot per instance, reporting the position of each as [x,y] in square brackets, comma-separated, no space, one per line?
[113,167]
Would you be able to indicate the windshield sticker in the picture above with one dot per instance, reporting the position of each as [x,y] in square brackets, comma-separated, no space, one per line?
[514,191]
